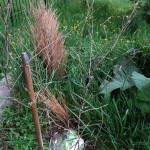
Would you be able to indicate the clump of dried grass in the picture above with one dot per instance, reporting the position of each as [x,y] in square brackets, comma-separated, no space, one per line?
[49,40]
[58,108]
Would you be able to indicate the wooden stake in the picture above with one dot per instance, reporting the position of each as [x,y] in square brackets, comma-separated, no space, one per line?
[28,80]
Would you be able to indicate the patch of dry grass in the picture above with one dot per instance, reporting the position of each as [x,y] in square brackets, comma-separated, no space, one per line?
[58,108]
[48,40]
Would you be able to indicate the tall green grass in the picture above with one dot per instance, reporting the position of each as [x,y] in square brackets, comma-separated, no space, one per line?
[105,122]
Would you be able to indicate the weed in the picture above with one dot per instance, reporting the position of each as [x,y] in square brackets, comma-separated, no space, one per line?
[104,122]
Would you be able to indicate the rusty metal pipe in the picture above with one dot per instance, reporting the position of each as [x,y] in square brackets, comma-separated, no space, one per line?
[28,80]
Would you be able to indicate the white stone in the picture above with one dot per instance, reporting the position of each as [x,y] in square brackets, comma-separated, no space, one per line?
[5,94]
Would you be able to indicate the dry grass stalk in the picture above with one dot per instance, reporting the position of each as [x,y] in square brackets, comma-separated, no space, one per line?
[49,40]
[59,110]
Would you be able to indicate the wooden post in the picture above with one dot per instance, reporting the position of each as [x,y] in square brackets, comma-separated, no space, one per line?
[28,80]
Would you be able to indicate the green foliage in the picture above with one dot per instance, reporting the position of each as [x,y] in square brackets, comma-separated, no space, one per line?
[146,11]
[143,97]
[20,131]
[122,76]
[141,18]
[107,122]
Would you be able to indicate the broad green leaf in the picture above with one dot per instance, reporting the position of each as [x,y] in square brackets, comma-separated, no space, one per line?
[107,86]
[142,83]
[143,97]
[143,103]
[122,76]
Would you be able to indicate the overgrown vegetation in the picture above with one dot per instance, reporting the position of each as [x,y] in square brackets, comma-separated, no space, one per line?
[97,34]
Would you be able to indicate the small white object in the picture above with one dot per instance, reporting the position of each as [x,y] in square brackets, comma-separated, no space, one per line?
[68,141]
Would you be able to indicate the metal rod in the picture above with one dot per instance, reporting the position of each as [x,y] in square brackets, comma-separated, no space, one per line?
[28,80]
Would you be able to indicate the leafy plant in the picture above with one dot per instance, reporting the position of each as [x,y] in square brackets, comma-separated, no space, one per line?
[103,122]
[143,97]
[122,76]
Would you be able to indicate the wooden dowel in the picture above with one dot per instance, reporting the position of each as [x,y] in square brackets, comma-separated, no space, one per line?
[28,80]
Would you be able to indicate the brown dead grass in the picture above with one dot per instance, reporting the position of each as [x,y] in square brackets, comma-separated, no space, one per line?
[49,40]
[58,108]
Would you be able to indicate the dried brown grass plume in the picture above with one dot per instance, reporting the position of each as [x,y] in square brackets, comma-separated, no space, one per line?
[58,108]
[49,41]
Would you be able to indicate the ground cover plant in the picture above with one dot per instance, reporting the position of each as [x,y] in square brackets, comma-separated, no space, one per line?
[98,36]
